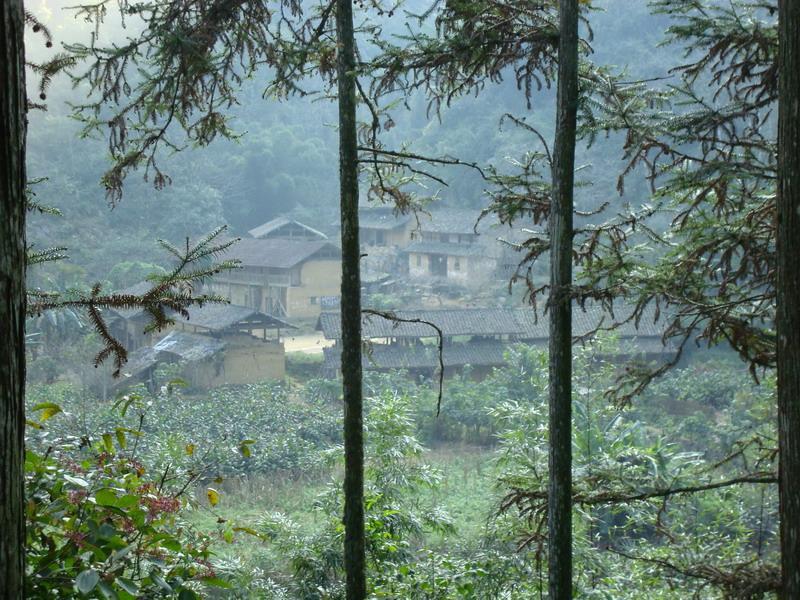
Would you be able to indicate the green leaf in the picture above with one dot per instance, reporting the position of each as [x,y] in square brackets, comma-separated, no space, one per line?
[80,482]
[49,409]
[172,544]
[216,582]
[127,501]
[108,443]
[187,595]
[213,496]
[107,591]
[121,440]
[244,448]
[106,497]
[159,581]
[128,585]
[87,580]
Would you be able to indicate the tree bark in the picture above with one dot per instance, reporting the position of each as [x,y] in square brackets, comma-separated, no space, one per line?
[559,519]
[354,546]
[788,293]
[12,299]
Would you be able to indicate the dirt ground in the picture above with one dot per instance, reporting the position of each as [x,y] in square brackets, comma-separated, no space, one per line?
[309,343]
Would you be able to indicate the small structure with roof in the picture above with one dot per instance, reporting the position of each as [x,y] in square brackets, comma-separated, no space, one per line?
[219,344]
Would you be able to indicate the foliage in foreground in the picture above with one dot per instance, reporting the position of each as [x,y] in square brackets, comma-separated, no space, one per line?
[703,424]
[101,525]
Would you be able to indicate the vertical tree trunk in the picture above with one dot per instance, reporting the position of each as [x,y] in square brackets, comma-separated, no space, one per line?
[788,293]
[354,547]
[12,299]
[559,518]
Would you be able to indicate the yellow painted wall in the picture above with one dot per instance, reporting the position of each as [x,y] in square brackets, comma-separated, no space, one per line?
[418,270]
[245,360]
[318,278]
[321,277]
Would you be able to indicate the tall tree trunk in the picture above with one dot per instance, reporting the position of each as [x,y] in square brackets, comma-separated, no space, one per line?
[12,299]
[788,293]
[354,547]
[559,519]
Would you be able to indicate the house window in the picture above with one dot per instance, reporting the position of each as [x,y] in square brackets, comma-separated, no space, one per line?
[313,299]
[457,264]
[419,260]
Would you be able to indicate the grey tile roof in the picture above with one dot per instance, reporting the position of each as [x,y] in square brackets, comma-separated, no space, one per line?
[446,248]
[188,346]
[275,224]
[213,316]
[380,217]
[278,254]
[462,321]
[518,322]
[220,316]
[137,289]
[177,345]
[455,220]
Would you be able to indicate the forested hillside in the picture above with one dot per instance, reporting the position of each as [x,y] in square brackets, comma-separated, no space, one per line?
[282,163]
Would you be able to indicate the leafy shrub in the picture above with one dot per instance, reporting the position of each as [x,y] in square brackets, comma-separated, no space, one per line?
[101,525]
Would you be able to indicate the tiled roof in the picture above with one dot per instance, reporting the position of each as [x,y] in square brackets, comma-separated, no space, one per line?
[177,345]
[446,248]
[214,316]
[455,220]
[380,217]
[219,316]
[278,254]
[518,322]
[188,346]
[462,321]
[270,226]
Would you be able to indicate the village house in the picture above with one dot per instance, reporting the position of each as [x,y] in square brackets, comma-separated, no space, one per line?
[218,344]
[441,245]
[452,245]
[479,337]
[381,226]
[288,278]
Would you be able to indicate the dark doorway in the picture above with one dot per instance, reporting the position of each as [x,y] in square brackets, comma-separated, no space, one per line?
[438,265]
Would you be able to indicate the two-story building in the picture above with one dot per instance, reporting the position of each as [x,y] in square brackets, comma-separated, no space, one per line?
[283,277]
[453,245]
